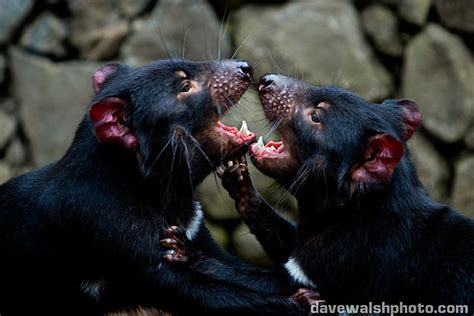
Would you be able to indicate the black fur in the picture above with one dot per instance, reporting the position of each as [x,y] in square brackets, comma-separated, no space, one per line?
[96,216]
[359,241]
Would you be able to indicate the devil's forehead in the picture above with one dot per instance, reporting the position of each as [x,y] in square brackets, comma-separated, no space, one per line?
[333,95]
[173,65]
[165,70]
[156,76]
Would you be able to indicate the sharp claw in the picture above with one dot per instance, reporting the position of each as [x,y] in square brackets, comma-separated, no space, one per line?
[175,258]
[169,258]
[173,228]
[168,242]
[170,252]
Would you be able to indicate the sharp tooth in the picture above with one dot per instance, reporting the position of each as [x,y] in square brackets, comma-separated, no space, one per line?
[244,131]
[260,142]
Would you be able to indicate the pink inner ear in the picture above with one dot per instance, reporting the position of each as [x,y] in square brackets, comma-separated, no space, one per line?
[101,75]
[411,117]
[382,156]
[106,115]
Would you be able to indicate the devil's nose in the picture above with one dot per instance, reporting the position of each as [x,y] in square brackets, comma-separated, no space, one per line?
[245,68]
[266,81]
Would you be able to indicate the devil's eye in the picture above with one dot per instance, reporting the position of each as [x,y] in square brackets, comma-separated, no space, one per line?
[315,117]
[185,86]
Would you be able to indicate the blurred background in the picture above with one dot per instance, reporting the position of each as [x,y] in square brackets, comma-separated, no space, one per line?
[417,49]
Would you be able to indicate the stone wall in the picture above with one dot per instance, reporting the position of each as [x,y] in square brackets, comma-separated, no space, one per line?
[418,49]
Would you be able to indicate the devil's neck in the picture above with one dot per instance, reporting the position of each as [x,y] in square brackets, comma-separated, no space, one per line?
[117,169]
[404,198]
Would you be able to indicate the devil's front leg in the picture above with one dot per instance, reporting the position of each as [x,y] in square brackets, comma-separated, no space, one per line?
[218,268]
[203,256]
[138,276]
[276,234]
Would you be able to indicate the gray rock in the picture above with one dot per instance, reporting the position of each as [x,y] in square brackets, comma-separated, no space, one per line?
[12,14]
[390,2]
[432,169]
[320,41]
[3,65]
[457,14]
[53,98]
[5,173]
[132,8]
[217,203]
[198,28]
[414,11]
[21,170]
[438,75]
[382,27]
[8,106]
[470,139]
[16,153]
[7,128]
[219,234]
[97,29]
[248,247]
[463,197]
[46,35]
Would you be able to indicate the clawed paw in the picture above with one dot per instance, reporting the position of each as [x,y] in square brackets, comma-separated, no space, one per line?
[235,176]
[177,244]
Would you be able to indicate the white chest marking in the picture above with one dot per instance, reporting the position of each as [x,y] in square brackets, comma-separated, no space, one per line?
[297,273]
[195,223]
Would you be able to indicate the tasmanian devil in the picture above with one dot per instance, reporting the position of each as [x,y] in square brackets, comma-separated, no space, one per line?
[368,230]
[82,235]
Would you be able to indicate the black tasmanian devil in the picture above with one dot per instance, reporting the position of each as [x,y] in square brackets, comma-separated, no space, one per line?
[82,235]
[368,230]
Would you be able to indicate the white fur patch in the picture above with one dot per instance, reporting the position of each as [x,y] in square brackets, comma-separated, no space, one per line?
[195,224]
[297,273]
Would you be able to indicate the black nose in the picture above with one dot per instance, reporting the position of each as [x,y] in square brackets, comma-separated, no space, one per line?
[265,82]
[246,69]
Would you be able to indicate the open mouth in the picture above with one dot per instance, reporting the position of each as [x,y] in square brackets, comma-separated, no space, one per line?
[271,150]
[220,141]
[239,136]
[229,92]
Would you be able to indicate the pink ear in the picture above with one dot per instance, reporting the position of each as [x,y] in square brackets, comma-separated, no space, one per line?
[382,155]
[101,75]
[107,116]
[411,117]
